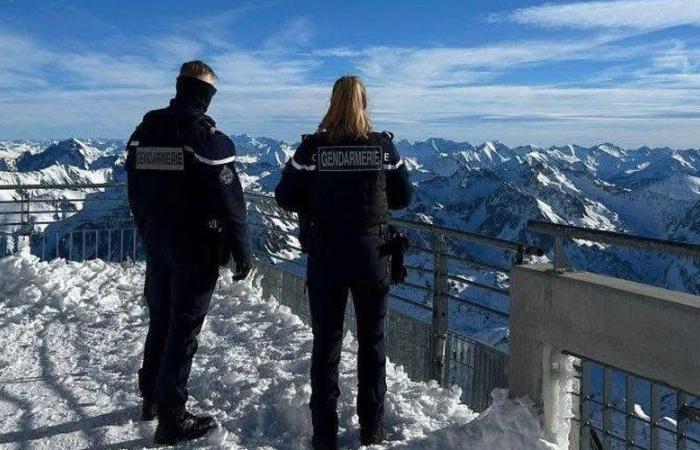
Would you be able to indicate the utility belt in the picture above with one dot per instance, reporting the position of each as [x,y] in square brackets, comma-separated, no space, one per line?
[394,246]
[310,234]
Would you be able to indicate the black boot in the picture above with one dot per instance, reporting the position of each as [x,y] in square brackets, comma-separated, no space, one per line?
[186,427]
[324,442]
[325,432]
[149,409]
[372,435]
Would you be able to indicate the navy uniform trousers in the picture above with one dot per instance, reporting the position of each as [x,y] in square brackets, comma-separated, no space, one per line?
[178,297]
[335,268]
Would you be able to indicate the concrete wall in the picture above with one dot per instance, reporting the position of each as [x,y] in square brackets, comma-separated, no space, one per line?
[648,331]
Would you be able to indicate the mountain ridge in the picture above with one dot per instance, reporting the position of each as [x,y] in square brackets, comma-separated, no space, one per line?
[488,188]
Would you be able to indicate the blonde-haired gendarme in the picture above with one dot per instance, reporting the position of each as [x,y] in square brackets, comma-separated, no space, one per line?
[347,114]
[342,181]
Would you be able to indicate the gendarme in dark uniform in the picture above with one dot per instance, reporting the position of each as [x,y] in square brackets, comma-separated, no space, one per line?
[343,192]
[188,204]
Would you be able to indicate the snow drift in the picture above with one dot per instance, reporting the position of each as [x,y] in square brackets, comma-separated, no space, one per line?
[73,335]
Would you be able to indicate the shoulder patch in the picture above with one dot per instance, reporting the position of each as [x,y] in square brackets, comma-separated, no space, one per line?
[226,176]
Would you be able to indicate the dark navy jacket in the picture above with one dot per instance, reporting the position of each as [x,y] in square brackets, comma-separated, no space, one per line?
[345,187]
[184,191]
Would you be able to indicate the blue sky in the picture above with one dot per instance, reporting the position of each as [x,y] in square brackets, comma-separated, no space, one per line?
[521,72]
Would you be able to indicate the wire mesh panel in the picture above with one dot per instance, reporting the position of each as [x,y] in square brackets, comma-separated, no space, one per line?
[287,288]
[477,368]
[114,245]
[619,410]
[408,344]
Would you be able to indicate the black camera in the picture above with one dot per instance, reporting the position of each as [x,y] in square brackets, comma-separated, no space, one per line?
[395,246]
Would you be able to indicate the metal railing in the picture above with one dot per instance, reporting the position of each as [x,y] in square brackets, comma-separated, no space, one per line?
[423,335]
[452,358]
[623,410]
[75,221]
[615,408]
[559,232]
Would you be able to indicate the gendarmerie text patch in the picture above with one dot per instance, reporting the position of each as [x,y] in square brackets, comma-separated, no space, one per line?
[160,158]
[349,158]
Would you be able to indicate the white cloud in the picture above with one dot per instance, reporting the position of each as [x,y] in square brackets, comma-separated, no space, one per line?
[101,70]
[265,70]
[678,59]
[650,95]
[634,14]
[20,61]
[444,66]
[177,48]
[26,64]
[215,29]
[297,32]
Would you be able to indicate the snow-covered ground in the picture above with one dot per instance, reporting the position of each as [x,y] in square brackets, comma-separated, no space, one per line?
[72,337]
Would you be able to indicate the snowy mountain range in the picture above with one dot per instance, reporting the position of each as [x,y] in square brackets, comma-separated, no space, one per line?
[488,188]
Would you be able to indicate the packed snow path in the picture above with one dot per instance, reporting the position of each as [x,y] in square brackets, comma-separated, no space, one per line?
[72,337]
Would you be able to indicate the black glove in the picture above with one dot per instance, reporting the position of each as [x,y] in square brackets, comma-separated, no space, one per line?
[242,271]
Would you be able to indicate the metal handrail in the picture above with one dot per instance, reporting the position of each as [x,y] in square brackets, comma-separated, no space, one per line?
[77,222]
[559,231]
[409,301]
[521,248]
[472,304]
[477,238]
[14,187]
[59,211]
[469,261]
[418,269]
[476,284]
[416,286]
[57,200]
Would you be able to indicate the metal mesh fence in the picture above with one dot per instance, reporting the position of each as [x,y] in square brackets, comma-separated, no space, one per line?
[408,344]
[620,410]
[476,367]
[471,365]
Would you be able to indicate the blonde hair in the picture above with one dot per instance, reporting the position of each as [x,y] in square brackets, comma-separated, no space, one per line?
[347,116]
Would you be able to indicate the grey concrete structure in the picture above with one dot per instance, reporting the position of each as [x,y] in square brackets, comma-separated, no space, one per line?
[648,331]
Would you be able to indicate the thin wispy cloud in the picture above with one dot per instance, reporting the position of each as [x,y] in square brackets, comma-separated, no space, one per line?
[295,33]
[441,66]
[679,59]
[634,14]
